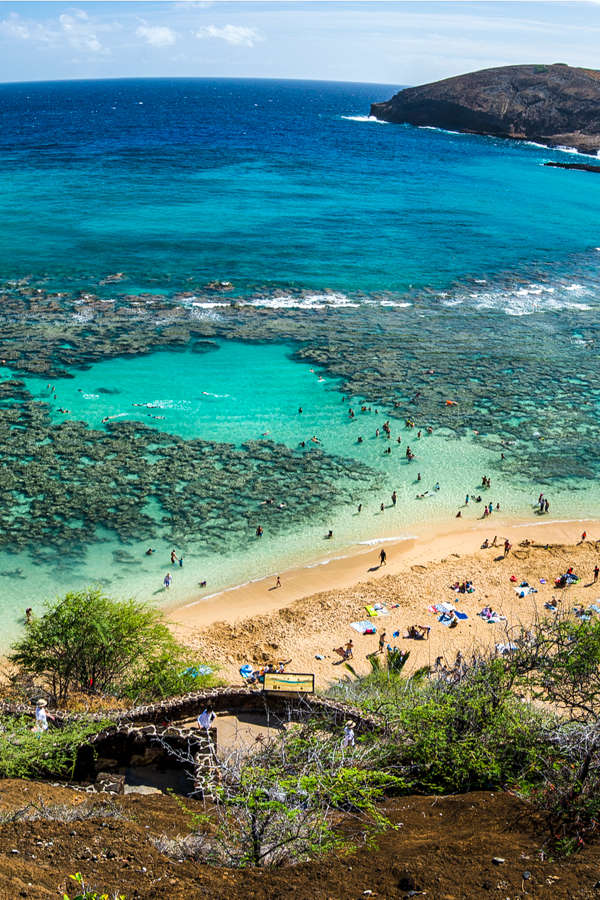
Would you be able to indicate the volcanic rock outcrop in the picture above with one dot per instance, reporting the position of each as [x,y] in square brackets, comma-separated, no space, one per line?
[554,104]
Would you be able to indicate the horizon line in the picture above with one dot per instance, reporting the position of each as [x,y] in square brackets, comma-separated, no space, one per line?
[195,78]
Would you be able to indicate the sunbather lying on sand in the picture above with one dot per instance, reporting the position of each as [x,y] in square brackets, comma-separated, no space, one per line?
[418,632]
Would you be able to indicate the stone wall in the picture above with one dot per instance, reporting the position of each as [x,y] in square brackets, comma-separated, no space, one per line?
[233,700]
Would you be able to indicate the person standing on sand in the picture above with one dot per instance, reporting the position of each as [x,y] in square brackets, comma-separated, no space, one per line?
[382,641]
[382,557]
[507,546]
[349,650]
[583,537]
[596,572]
[278,582]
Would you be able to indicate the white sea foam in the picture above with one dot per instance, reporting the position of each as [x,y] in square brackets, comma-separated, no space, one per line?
[524,300]
[325,562]
[365,119]
[90,396]
[302,301]
[167,404]
[386,540]
[393,303]
[576,152]
[437,128]
[206,304]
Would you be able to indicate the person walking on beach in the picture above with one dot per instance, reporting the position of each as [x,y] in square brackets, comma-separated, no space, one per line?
[596,572]
[382,641]
[382,557]
[173,557]
[583,537]
[507,546]
[278,582]
[349,650]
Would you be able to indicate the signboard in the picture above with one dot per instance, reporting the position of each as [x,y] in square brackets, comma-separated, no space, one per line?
[290,681]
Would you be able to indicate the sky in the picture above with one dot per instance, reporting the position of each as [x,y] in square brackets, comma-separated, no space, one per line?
[397,43]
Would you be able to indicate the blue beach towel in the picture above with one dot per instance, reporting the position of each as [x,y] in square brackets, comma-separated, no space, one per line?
[364,627]
[460,615]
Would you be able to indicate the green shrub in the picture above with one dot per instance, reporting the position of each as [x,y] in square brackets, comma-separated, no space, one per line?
[25,753]
[86,641]
[443,737]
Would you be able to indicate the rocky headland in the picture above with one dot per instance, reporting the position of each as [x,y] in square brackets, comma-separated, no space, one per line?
[556,105]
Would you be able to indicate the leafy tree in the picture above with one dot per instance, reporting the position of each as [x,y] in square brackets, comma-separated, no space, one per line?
[86,641]
[558,663]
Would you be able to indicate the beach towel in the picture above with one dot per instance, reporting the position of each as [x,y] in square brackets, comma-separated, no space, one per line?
[363,627]
[445,607]
[460,615]
[595,607]
[506,648]
[377,610]
[432,609]
[523,591]
[445,619]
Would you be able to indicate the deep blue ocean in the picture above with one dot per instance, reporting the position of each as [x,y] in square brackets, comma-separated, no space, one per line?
[478,266]
[269,183]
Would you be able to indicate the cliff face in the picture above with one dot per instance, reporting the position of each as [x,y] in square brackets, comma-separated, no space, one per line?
[552,105]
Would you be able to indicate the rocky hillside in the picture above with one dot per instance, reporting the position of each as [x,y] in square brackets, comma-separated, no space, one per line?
[553,105]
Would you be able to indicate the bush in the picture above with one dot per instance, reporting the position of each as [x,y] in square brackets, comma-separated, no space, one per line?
[281,803]
[25,753]
[86,641]
[469,734]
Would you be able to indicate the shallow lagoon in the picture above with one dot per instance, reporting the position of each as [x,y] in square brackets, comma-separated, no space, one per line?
[241,392]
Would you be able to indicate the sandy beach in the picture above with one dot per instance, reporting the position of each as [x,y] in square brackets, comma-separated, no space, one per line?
[310,614]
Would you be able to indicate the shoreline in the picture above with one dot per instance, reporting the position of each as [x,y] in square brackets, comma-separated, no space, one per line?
[359,565]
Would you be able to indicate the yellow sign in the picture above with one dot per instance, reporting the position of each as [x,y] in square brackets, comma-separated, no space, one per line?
[291,682]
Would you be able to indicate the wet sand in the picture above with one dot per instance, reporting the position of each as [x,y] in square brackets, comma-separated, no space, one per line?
[310,613]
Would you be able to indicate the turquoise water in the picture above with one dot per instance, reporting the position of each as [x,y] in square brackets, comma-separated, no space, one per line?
[396,266]
[240,392]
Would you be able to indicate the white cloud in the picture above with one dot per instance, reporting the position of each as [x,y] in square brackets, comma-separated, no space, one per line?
[80,32]
[203,4]
[237,35]
[14,26]
[157,35]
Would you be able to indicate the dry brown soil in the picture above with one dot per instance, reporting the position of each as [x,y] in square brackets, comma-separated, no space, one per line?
[443,850]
